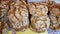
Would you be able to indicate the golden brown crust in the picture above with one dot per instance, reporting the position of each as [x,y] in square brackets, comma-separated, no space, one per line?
[55,11]
[39,17]
[37,9]
[55,24]
[18,16]
[50,4]
[3,8]
[39,24]
[54,8]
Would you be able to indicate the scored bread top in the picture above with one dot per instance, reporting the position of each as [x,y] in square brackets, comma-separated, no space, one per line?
[37,9]
[18,16]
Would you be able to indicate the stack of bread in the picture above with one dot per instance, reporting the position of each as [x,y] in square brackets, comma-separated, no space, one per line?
[34,15]
[39,19]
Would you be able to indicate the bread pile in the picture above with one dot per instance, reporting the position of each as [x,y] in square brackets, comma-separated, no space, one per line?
[34,15]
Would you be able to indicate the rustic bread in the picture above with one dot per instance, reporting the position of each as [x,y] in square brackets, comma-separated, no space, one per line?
[37,9]
[55,22]
[18,16]
[40,23]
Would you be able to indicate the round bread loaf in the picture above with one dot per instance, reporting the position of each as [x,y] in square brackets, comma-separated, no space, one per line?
[55,22]
[40,23]
[37,9]
[18,16]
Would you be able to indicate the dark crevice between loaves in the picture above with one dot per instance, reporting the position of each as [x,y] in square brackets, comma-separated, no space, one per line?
[30,18]
[48,13]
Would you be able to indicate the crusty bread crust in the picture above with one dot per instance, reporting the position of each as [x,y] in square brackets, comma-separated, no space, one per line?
[18,16]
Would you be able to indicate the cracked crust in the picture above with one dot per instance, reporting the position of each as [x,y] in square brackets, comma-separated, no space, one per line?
[40,24]
[55,22]
[37,9]
[3,8]
[18,17]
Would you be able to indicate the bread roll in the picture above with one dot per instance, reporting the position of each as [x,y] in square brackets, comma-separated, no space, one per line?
[37,9]
[53,7]
[55,10]
[54,16]
[18,16]
[39,18]
[55,24]
[40,23]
